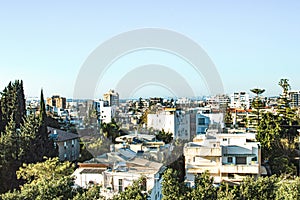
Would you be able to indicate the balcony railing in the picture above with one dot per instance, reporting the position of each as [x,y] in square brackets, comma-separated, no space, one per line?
[240,169]
[203,151]
[196,169]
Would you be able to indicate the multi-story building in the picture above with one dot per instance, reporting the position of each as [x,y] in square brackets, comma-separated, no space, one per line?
[57,102]
[112,97]
[117,170]
[67,143]
[227,157]
[203,118]
[105,112]
[202,123]
[171,120]
[294,98]
[240,100]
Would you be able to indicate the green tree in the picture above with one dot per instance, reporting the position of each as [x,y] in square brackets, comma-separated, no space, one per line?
[257,103]
[92,193]
[110,130]
[262,188]
[42,142]
[12,103]
[166,137]
[288,189]
[45,180]
[277,133]
[10,153]
[268,132]
[227,192]
[172,189]
[135,191]
[204,188]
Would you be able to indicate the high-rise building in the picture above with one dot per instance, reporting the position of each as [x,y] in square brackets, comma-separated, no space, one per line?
[57,101]
[240,100]
[294,98]
[112,97]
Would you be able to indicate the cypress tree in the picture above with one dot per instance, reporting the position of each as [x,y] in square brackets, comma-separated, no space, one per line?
[12,103]
[42,114]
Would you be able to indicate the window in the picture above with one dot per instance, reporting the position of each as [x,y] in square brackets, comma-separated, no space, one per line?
[201,121]
[230,176]
[65,144]
[120,185]
[241,160]
[73,143]
[229,159]
[224,139]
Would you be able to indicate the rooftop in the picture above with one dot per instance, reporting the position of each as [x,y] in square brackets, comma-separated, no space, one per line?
[60,135]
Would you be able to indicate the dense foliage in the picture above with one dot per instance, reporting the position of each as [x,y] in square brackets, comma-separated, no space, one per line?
[273,187]
[277,133]
[23,139]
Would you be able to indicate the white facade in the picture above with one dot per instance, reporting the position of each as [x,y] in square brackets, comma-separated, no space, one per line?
[106,113]
[119,179]
[171,120]
[227,157]
[115,173]
[84,177]
[240,100]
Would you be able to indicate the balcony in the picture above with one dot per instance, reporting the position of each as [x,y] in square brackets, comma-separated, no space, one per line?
[198,169]
[240,169]
[203,151]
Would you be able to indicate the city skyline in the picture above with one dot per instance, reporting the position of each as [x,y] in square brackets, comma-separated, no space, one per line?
[251,44]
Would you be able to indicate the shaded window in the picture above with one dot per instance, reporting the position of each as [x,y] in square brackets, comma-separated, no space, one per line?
[241,160]
[229,159]
[201,121]
[120,185]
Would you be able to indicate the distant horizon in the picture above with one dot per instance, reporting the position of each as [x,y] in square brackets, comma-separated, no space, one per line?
[252,44]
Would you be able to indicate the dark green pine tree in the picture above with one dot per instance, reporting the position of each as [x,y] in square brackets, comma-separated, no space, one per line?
[44,145]
[29,134]
[11,152]
[19,103]
[12,101]
[42,114]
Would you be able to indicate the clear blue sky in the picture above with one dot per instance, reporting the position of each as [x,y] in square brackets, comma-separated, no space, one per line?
[252,43]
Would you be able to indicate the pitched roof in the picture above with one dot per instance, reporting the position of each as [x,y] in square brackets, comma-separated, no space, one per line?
[60,135]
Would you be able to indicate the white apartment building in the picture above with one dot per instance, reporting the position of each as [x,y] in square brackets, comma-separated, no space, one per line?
[227,157]
[106,112]
[171,120]
[240,100]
